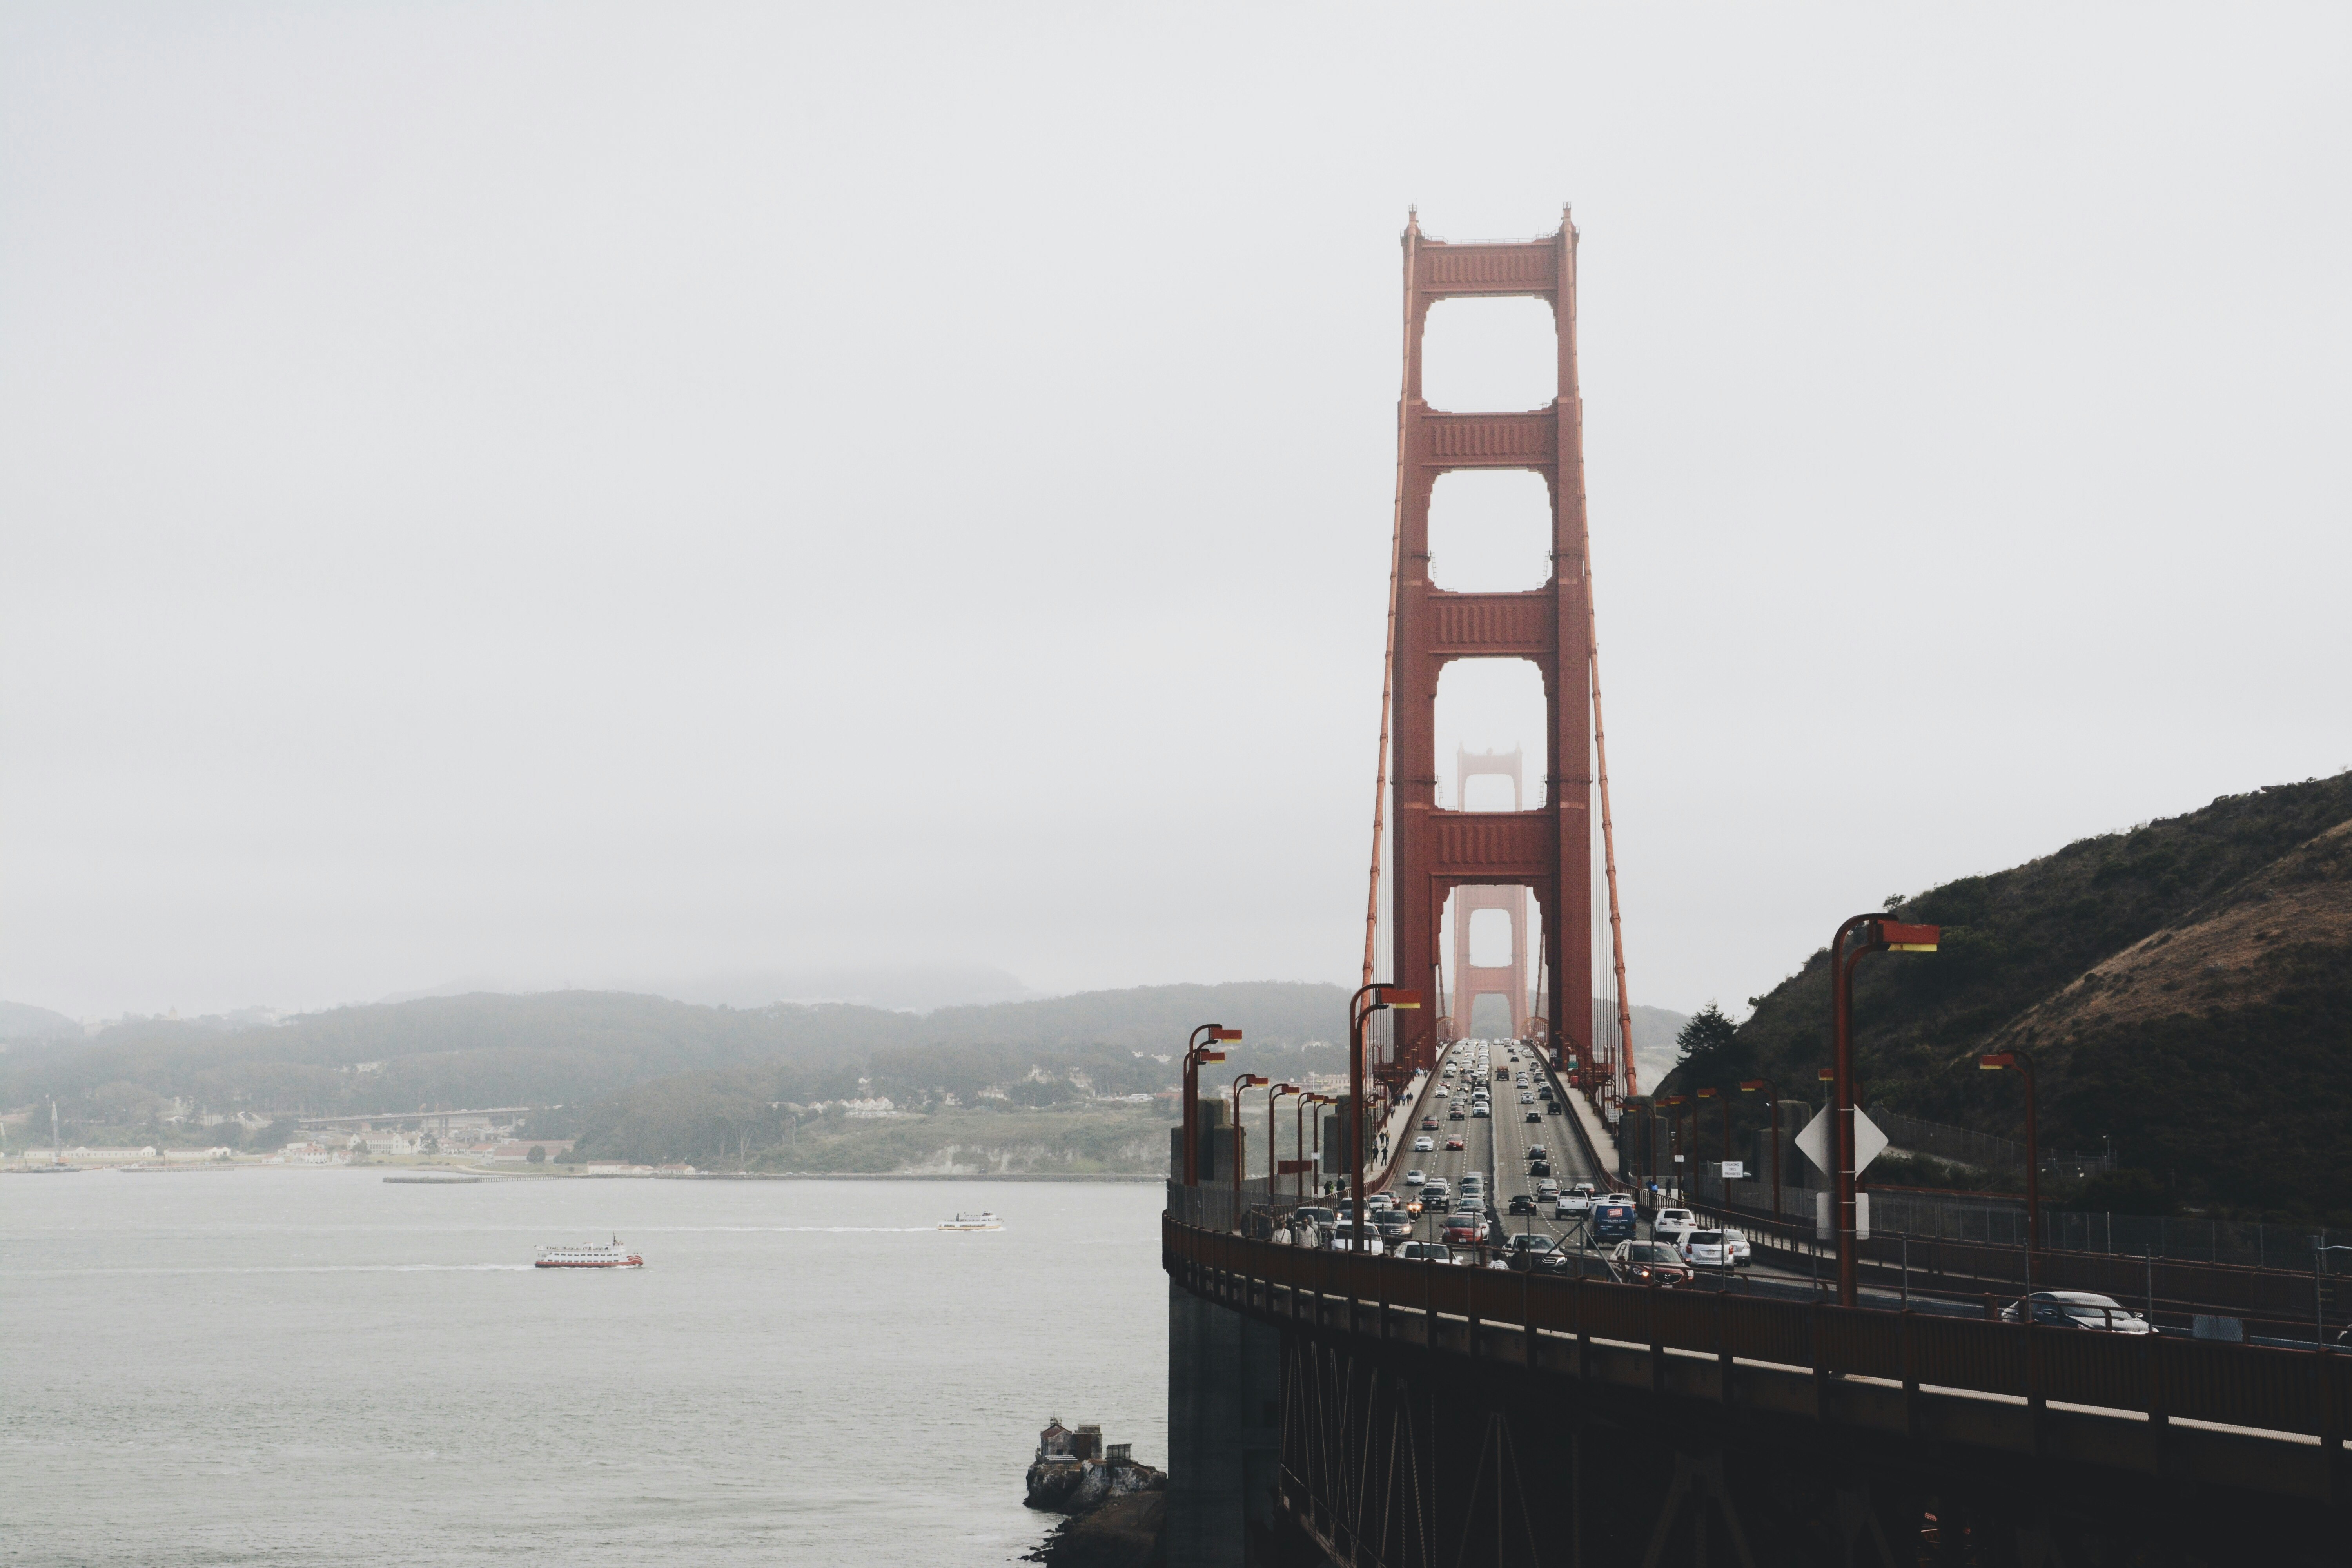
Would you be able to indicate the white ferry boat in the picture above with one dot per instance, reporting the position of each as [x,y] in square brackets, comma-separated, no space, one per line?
[590,1257]
[983,1220]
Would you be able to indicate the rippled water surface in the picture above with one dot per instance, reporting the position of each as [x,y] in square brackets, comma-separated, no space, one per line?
[305,1367]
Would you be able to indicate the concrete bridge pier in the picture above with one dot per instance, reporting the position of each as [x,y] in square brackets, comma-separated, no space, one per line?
[1224,1433]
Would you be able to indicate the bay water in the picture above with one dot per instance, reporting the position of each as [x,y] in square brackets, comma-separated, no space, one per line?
[313,1367]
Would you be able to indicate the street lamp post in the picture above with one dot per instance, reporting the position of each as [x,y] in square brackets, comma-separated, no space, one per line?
[1674,1147]
[1750,1087]
[1715,1094]
[1878,934]
[1241,1082]
[1273,1165]
[1201,1048]
[1298,1136]
[2022,1065]
[1366,1001]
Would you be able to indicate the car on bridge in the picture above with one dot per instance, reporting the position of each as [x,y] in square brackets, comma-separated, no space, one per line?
[1480,1111]
[1416,1176]
[1393,1225]
[2077,1310]
[1649,1263]
[1454,1114]
[1454,1143]
[1429,1124]
[1428,1252]
[1531,1251]
[1424,1144]
[1612,1220]
[1534,1116]
[1539,1167]
[1343,1238]
[1706,1249]
[1522,1202]
[1434,1191]
[1539,1152]
[1672,1225]
[1464,1227]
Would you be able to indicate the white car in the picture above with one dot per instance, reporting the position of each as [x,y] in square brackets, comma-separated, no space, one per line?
[1414,1178]
[1429,1252]
[1342,1239]
[1672,1225]
[1424,1144]
[1704,1249]
[1742,1255]
[1479,1110]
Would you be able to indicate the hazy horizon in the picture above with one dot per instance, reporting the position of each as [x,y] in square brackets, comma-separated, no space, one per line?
[605,494]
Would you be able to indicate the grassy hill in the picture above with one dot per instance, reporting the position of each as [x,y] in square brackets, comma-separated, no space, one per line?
[2185,989]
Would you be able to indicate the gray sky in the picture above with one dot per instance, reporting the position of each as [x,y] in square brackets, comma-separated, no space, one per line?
[583,492]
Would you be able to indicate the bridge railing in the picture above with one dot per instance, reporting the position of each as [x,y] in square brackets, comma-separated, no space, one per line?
[2307,1393]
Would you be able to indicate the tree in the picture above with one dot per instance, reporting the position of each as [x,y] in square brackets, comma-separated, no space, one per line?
[1710,1054]
[537,1155]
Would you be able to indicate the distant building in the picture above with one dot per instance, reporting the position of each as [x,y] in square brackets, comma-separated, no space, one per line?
[520,1148]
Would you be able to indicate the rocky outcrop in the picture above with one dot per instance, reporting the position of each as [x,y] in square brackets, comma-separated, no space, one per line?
[1122,1534]
[1081,1486]
[1115,1507]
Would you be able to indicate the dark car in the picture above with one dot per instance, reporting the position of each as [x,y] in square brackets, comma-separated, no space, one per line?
[1522,1203]
[1537,1151]
[1534,1116]
[1539,1167]
[1454,1115]
[1394,1223]
[1649,1263]
[1612,1222]
[1502,1075]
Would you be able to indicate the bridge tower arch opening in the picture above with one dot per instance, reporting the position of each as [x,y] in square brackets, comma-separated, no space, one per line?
[1541,853]
[1479,970]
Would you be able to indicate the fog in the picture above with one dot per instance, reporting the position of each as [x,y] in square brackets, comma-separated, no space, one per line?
[590,494]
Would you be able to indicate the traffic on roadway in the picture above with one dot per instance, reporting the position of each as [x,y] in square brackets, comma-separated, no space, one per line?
[1493,1176]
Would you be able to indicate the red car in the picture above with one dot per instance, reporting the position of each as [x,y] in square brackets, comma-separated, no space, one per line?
[1463,1228]
[1429,1124]
[1454,1143]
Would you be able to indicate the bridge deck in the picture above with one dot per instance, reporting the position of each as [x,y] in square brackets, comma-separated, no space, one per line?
[2269,1421]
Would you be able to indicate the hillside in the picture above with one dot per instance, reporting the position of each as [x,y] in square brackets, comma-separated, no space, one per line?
[2185,989]
[20,1022]
[574,1048]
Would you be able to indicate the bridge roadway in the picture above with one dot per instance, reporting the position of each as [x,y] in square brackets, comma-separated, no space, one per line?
[1495,1146]
[1378,1411]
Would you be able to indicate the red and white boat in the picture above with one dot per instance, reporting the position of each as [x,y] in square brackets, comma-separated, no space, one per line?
[590,1257]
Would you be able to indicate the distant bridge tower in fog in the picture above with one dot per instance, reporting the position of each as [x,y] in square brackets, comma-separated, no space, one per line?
[1509,981]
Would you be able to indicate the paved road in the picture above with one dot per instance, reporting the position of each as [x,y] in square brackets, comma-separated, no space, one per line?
[1497,1146]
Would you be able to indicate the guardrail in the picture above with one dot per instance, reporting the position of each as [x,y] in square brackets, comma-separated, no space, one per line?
[2280,1300]
[2304,1393]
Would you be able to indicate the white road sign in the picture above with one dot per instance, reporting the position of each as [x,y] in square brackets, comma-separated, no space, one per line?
[1735,1171]
[1813,1142]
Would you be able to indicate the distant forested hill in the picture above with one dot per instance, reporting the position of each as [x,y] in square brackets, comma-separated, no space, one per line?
[19,1021]
[2185,988]
[573,1048]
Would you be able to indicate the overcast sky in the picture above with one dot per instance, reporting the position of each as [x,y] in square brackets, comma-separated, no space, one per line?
[579,492]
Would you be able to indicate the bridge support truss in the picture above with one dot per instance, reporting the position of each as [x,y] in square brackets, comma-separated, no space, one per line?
[1417,1421]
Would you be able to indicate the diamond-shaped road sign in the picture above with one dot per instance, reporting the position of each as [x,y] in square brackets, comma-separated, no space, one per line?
[1813,1142]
